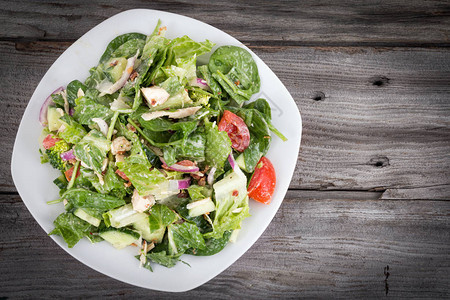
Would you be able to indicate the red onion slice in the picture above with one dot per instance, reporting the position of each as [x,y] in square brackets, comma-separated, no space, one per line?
[179,184]
[232,162]
[201,83]
[210,178]
[180,168]
[45,105]
[68,155]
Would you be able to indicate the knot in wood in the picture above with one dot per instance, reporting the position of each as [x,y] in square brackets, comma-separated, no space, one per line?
[379,80]
[379,161]
[318,96]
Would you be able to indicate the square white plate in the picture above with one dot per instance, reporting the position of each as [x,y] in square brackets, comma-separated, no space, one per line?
[36,187]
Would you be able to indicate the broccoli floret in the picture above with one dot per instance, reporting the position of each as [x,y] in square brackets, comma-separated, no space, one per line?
[54,155]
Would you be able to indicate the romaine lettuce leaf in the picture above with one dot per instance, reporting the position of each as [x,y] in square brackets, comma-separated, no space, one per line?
[218,146]
[185,47]
[72,132]
[231,203]
[92,150]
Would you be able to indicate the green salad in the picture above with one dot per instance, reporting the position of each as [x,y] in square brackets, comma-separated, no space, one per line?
[158,152]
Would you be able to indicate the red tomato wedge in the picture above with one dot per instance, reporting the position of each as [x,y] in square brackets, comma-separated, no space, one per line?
[50,141]
[69,173]
[237,130]
[262,184]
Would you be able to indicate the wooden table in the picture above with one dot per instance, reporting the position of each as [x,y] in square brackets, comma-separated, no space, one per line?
[372,182]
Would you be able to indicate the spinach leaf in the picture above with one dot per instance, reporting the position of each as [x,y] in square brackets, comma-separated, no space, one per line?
[160,217]
[212,246]
[193,147]
[264,108]
[129,48]
[236,71]
[97,75]
[213,84]
[81,198]
[87,109]
[184,236]
[112,185]
[71,228]
[197,192]
[72,91]
[170,155]
[92,150]
[58,100]
[161,258]
[119,41]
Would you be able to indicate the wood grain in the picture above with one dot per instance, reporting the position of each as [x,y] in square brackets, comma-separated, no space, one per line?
[321,243]
[369,23]
[373,119]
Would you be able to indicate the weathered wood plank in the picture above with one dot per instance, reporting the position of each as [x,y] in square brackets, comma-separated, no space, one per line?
[372,118]
[319,22]
[314,247]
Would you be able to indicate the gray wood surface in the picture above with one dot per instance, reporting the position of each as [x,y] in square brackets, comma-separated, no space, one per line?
[324,244]
[372,82]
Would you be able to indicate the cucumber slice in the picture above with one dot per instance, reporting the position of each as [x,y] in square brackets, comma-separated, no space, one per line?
[53,115]
[241,162]
[119,237]
[115,68]
[88,217]
[200,207]
[143,226]
[122,216]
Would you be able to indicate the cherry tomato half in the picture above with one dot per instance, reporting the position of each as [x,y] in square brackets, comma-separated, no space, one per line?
[262,184]
[69,173]
[50,141]
[237,130]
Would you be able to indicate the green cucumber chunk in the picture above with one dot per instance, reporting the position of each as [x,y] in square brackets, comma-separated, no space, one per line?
[119,237]
[53,115]
[201,207]
[115,67]
[143,226]
[87,216]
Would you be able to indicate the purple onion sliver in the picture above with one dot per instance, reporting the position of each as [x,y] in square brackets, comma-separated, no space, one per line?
[184,183]
[71,111]
[68,155]
[45,105]
[231,161]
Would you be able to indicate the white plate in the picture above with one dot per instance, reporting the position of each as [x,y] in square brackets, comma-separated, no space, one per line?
[34,181]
